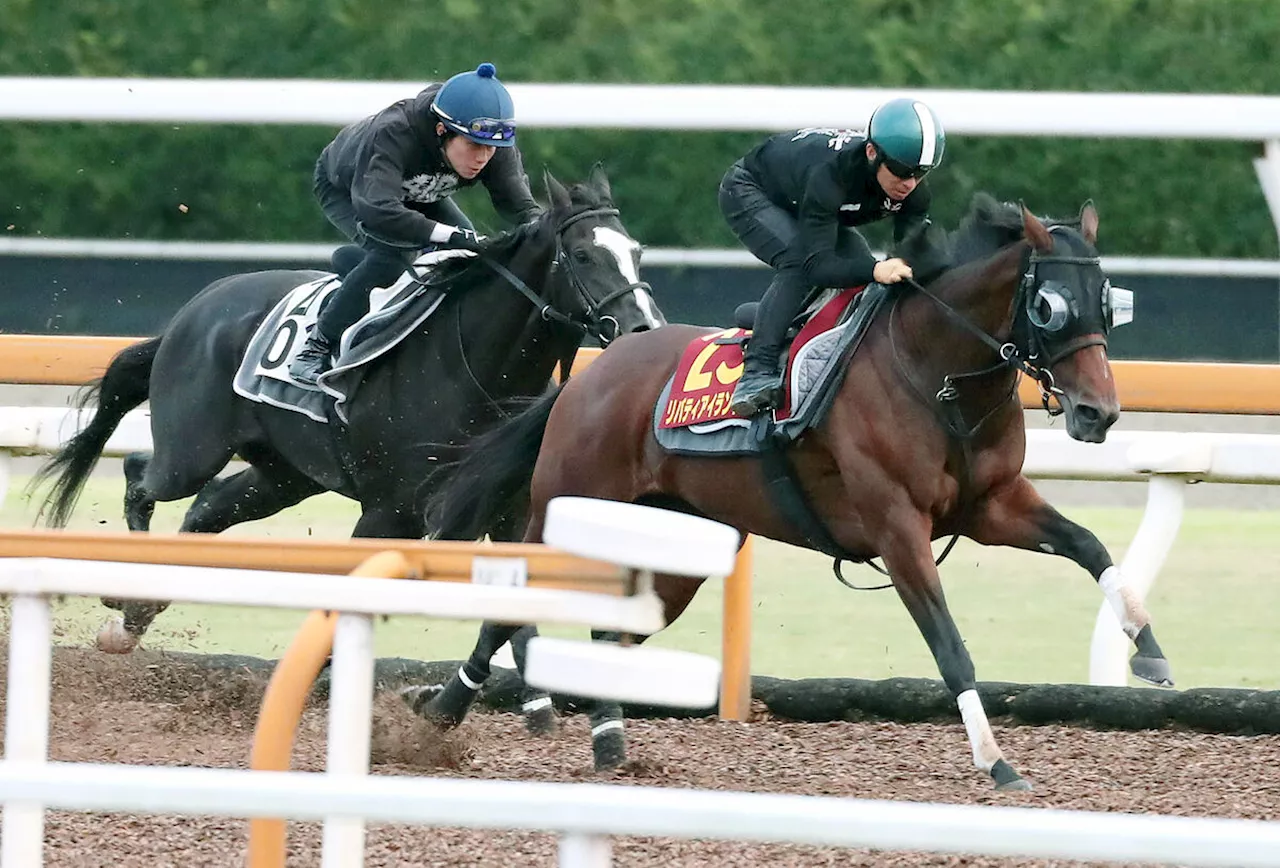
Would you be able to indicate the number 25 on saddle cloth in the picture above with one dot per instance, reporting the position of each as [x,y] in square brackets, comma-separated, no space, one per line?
[711,366]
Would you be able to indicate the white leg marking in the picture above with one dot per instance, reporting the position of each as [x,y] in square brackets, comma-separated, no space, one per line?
[624,250]
[1129,610]
[985,750]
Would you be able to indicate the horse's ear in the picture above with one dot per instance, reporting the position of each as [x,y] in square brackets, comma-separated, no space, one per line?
[1089,222]
[556,192]
[600,181]
[1035,231]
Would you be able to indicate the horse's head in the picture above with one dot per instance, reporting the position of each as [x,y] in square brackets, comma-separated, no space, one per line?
[1065,307]
[597,261]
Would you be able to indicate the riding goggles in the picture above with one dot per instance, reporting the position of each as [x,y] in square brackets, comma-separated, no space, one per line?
[488,129]
[903,171]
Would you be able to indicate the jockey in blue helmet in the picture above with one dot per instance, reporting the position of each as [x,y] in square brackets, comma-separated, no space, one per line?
[386,181]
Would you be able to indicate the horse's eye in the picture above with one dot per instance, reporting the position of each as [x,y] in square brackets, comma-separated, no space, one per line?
[581,256]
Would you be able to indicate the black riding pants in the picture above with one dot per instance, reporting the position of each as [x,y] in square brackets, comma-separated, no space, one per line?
[771,234]
[385,259]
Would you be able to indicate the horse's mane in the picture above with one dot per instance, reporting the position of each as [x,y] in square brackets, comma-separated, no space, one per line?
[989,226]
[464,272]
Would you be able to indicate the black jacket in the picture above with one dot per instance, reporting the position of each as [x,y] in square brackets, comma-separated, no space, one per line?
[823,178]
[393,161]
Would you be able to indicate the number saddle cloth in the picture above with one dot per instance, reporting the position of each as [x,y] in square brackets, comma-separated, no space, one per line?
[394,313]
[692,416]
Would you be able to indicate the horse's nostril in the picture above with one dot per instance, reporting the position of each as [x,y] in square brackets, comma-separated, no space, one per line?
[643,327]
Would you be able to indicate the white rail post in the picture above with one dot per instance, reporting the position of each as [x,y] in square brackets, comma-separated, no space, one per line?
[1268,168]
[350,730]
[6,469]
[585,851]
[26,725]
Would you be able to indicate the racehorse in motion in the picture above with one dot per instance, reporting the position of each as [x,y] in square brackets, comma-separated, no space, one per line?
[924,438]
[509,316]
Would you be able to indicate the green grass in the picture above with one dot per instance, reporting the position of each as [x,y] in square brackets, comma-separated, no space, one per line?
[1025,617]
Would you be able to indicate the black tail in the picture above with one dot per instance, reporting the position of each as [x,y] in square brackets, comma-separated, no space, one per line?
[124,386]
[491,481]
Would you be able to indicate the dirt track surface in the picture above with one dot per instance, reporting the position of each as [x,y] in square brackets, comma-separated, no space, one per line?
[146,710]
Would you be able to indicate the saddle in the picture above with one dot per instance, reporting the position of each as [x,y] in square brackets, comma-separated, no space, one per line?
[394,313]
[692,415]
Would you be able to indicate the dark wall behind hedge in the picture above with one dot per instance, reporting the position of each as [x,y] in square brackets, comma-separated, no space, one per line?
[1175,198]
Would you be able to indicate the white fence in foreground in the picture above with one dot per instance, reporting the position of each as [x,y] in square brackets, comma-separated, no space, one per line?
[32,581]
[585,812]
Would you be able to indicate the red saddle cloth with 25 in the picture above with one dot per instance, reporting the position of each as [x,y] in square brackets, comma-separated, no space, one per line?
[710,368]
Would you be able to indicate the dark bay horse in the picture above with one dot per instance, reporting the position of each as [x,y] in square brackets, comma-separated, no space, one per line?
[925,439]
[417,404]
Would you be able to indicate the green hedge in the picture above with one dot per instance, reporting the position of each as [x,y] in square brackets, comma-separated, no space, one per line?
[1176,198]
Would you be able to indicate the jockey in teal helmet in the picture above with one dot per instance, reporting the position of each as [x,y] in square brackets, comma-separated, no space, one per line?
[386,181]
[795,201]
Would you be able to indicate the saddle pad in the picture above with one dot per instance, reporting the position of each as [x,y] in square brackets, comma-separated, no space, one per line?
[711,366]
[698,422]
[394,312]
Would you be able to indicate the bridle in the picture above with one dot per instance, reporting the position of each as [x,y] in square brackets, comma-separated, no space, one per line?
[599,325]
[1033,358]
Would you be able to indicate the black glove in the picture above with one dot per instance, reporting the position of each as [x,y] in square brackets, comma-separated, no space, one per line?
[464,239]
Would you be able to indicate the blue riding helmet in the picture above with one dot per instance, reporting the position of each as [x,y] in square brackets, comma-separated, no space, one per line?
[908,137]
[477,105]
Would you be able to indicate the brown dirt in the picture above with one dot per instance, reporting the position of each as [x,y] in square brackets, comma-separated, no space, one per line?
[144,709]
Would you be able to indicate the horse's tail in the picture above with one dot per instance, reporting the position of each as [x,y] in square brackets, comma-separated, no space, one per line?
[123,386]
[490,483]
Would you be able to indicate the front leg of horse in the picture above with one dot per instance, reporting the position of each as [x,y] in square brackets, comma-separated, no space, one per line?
[1019,517]
[915,577]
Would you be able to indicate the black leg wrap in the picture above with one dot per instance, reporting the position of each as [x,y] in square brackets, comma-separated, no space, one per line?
[449,707]
[1006,778]
[1149,664]
[608,744]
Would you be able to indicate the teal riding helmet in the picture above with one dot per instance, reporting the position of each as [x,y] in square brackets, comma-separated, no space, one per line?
[908,137]
[477,105]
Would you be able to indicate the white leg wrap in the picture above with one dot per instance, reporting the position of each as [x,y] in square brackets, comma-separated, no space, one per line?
[536,704]
[605,727]
[985,750]
[1128,609]
[462,676]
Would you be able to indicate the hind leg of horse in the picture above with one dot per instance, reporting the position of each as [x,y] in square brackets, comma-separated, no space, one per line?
[909,560]
[450,704]
[1018,516]
[139,505]
[608,737]
[253,493]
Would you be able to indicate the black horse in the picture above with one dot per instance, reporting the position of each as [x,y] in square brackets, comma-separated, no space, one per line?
[509,317]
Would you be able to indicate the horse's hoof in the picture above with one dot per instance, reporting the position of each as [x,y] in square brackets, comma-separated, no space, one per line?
[541,719]
[1019,785]
[1007,780]
[113,638]
[1152,670]
[609,749]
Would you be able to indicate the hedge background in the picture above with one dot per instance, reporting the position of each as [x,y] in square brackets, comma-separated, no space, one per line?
[1164,197]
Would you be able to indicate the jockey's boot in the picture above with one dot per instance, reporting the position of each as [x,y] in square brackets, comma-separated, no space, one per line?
[760,388]
[313,359]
